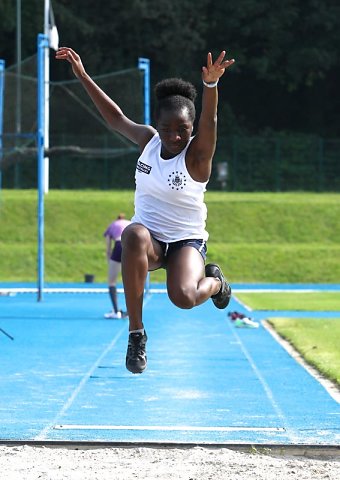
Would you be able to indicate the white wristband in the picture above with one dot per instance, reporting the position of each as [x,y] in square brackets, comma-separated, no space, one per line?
[210,85]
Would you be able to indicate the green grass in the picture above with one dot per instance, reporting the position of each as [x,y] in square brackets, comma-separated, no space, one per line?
[304,301]
[317,340]
[273,218]
[256,237]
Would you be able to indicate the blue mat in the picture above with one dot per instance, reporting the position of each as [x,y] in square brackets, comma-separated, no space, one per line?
[64,378]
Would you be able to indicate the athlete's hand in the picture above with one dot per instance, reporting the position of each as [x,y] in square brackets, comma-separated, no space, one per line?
[65,53]
[214,70]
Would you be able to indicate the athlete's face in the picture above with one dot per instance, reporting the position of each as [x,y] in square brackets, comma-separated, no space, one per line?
[175,129]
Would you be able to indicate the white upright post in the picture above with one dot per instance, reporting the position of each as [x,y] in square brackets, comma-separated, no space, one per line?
[2,89]
[47,95]
[18,71]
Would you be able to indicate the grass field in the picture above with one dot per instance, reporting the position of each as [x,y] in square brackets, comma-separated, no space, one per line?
[304,301]
[317,339]
[256,237]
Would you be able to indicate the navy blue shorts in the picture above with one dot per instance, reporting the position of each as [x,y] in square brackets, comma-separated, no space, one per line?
[116,254]
[169,248]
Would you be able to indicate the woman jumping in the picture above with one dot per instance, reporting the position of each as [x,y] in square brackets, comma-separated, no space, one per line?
[174,167]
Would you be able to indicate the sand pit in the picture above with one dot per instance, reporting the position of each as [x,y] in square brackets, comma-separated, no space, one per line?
[144,463]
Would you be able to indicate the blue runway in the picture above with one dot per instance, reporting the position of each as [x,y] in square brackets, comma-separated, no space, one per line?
[63,377]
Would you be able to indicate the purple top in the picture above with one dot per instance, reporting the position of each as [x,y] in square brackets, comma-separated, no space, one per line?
[116,228]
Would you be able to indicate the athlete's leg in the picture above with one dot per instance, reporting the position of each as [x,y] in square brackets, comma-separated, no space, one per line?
[113,272]
[186,281]
[140,254]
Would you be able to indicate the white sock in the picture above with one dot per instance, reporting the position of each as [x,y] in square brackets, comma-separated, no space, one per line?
[140,330]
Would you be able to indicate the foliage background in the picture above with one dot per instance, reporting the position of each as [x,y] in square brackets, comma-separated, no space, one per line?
[286,73]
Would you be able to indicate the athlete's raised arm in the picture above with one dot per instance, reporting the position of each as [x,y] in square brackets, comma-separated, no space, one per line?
[202,148]
[110,111]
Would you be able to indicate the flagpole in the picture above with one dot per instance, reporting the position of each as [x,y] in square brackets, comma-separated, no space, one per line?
[47,94]
[18,71]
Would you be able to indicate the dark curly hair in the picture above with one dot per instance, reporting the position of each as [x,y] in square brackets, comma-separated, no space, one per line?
[175,94]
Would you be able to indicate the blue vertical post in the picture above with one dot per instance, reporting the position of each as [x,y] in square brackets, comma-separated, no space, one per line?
[2,89]
[144,64]
[41,44]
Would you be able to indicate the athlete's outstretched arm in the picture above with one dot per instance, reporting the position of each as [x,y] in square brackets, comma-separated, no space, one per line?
[110,111]
[202,148]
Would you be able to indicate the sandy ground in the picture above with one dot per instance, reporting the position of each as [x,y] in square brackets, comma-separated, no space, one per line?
[41,463]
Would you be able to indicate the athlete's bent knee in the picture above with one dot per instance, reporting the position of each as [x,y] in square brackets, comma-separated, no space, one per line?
[183,298]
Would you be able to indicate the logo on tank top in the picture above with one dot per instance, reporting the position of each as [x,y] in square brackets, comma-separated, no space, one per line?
[143,167]
[177,180]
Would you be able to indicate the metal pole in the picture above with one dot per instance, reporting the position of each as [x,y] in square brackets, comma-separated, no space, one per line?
[18,70]
[18,91]
[144,64]
[2,89]
[47,93]
[42,46]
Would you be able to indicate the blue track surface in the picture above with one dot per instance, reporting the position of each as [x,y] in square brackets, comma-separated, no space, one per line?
[63,377]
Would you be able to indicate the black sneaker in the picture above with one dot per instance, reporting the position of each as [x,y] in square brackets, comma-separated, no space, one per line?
[222,298]
[136,354]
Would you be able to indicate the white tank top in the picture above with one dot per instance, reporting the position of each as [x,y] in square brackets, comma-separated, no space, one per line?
[167,200]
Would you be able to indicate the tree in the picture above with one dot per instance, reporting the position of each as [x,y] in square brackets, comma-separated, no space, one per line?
[293,42]
[286,71]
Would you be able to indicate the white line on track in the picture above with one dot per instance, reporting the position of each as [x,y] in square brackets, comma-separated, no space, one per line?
[283,290]
[329,386]
[14,290]
[42,435]
[166,428]
[264,384]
